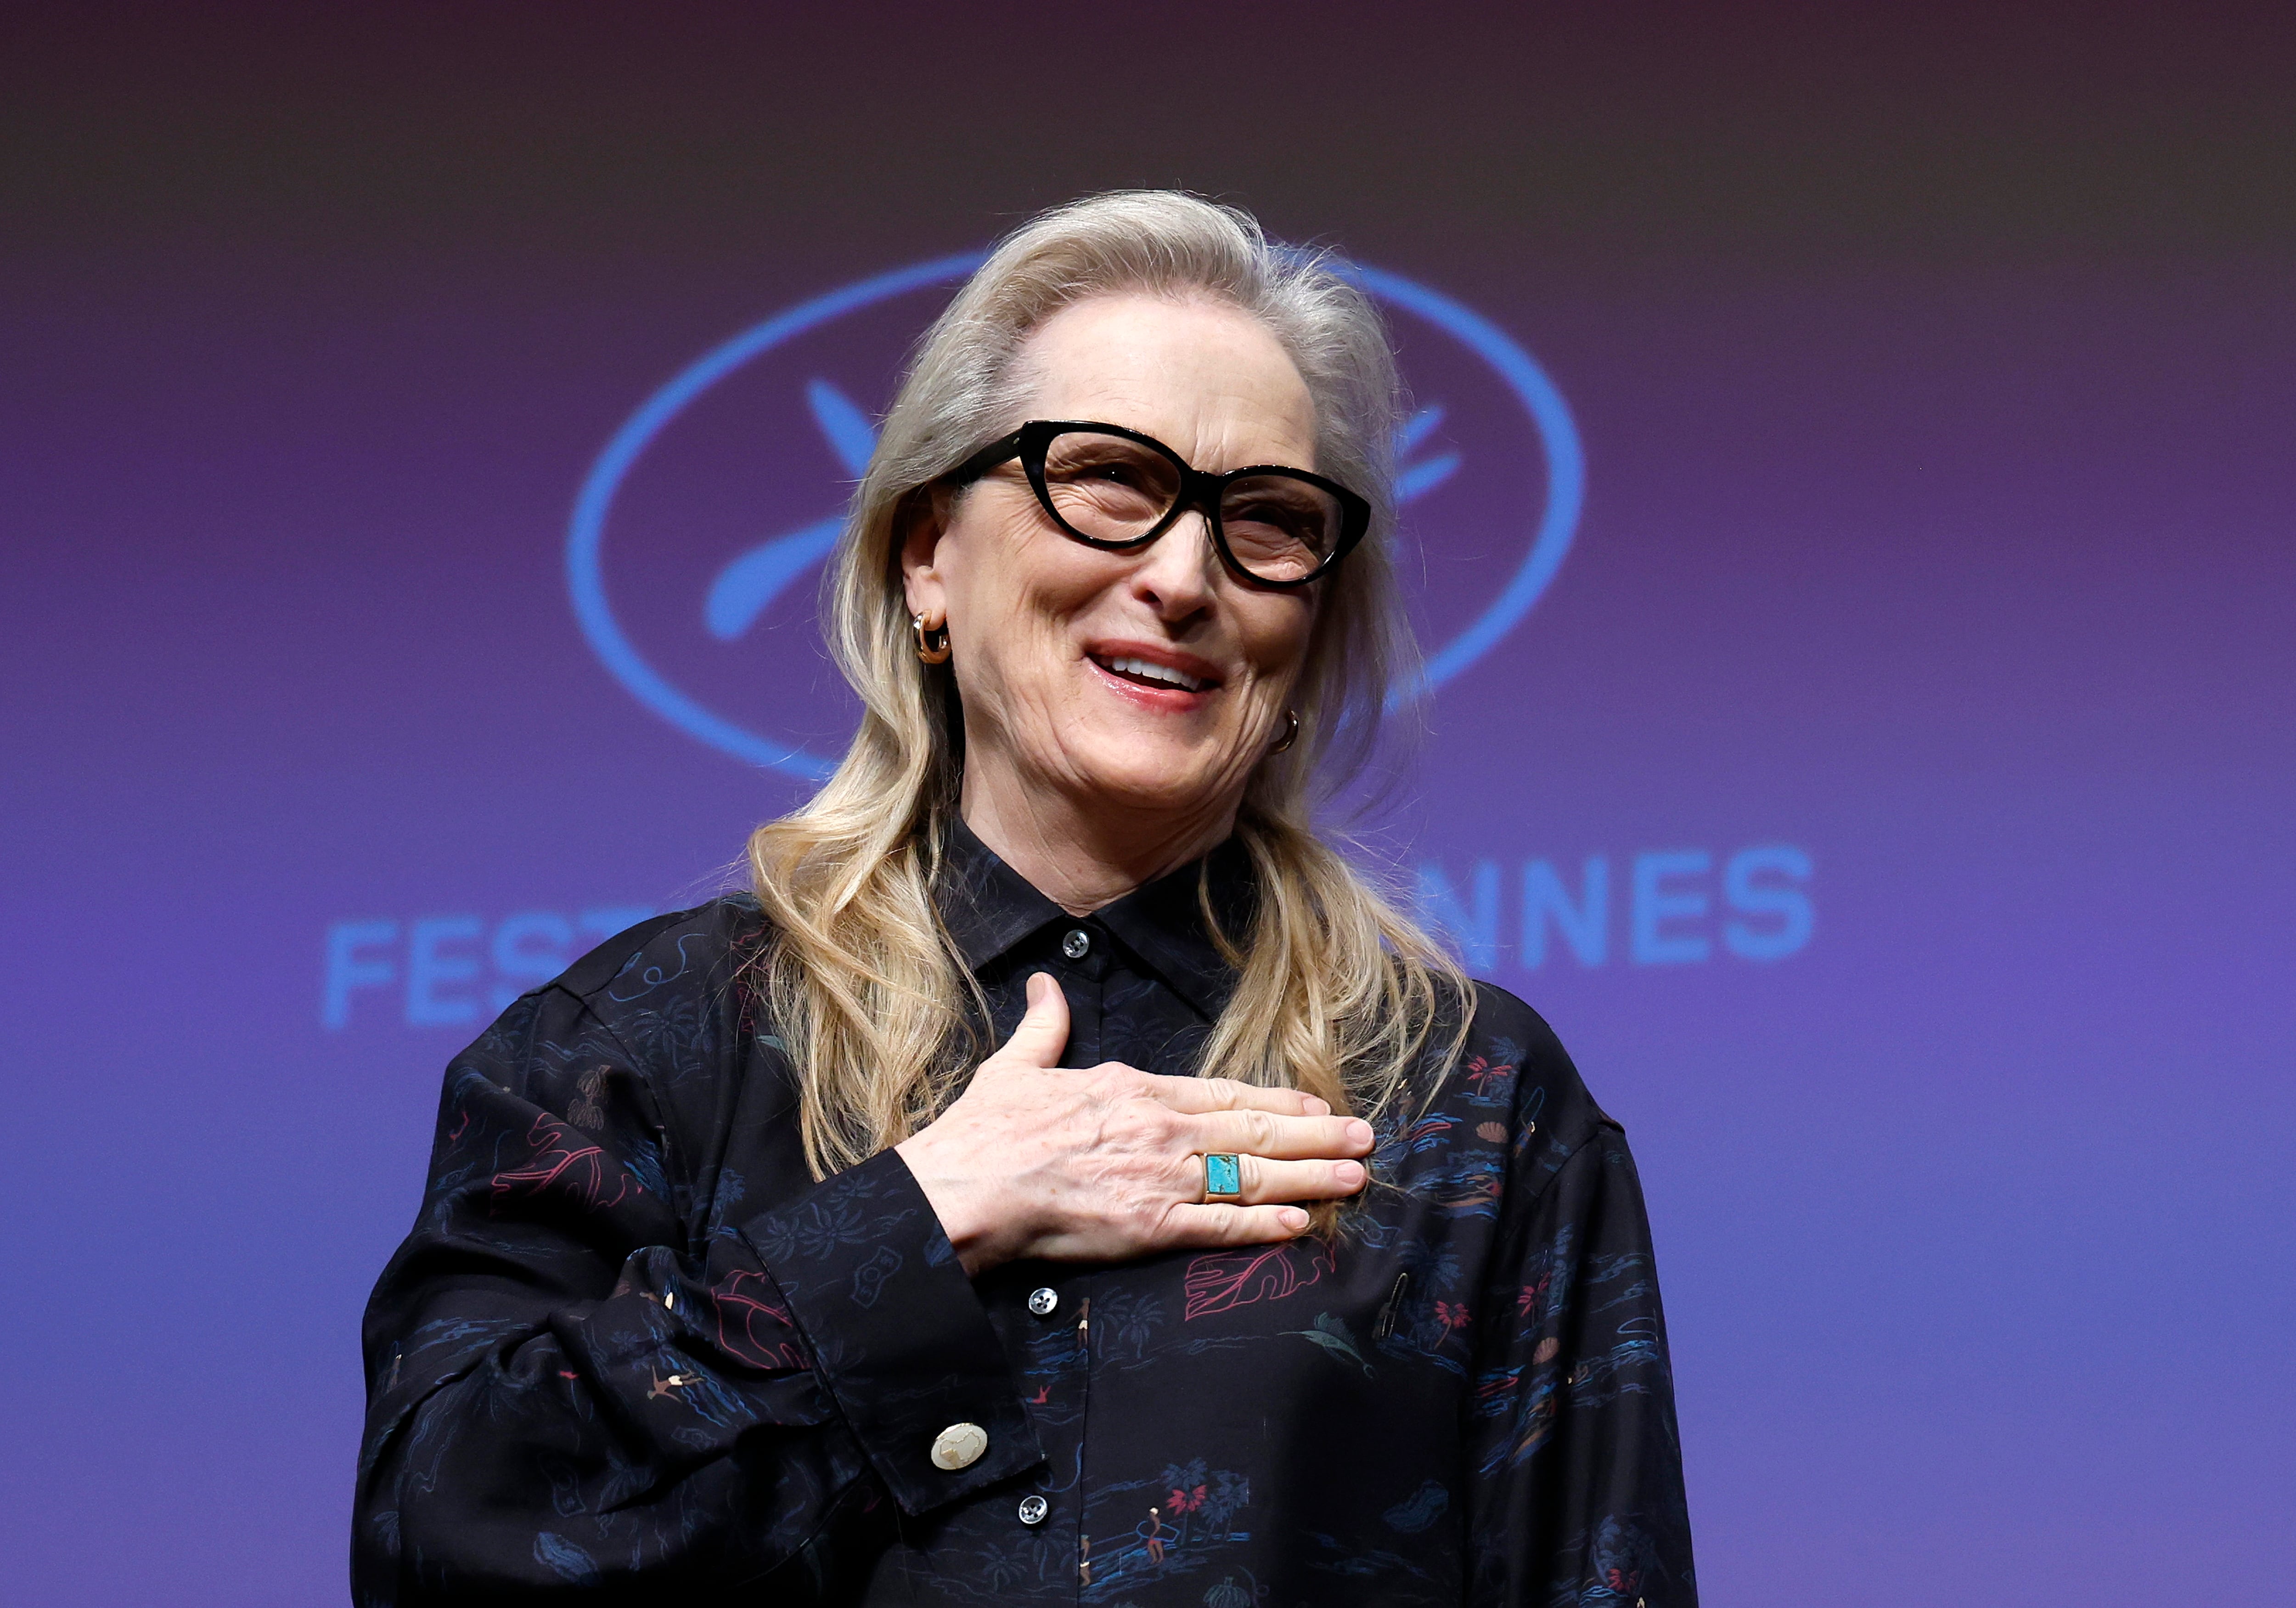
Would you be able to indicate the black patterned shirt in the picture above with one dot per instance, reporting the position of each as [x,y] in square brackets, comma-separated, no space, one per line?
[633,1352]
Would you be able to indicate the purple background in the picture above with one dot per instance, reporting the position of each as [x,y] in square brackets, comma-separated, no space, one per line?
[1936,375]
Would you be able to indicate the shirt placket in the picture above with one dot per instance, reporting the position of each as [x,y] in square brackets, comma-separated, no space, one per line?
[1086,956]
[1079,959]
[1049,1308]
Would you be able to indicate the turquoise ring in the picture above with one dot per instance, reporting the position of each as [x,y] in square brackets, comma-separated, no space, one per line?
[1223,1180]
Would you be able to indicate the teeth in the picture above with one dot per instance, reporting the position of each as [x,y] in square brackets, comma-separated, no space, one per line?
[1165,674]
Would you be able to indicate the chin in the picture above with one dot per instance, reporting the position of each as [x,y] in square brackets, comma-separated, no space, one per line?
[1145,773]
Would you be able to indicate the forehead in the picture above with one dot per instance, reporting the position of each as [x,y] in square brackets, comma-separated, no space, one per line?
[1200,375]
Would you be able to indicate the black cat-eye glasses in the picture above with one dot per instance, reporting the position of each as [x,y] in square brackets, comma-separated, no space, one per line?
[1116,488]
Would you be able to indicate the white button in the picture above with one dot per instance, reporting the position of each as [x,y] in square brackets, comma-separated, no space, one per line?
[1043,1301]
[959,1446]
[1078,944]
[1033,1510]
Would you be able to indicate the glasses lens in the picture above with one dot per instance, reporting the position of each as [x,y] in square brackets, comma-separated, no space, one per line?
[1280,529]
[1106,488]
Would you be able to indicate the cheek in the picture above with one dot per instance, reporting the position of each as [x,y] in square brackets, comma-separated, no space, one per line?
[985,560]
[1064,578]
[1012,593]
[1045,588]
[1276,632]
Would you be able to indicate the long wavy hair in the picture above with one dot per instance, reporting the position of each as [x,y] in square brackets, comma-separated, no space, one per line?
[1340,992]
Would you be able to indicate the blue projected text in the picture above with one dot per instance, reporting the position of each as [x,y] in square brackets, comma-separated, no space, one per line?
[455,971]
[1661,908]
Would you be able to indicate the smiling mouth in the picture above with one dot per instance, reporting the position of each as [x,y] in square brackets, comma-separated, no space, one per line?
[1145,674]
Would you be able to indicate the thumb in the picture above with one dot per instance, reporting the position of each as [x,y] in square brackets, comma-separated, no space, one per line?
[1044,1032]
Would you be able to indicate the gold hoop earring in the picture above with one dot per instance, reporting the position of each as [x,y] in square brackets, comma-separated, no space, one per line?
[931,651]
[1290,731]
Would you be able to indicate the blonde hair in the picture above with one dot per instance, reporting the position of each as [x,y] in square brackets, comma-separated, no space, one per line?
[1340,993]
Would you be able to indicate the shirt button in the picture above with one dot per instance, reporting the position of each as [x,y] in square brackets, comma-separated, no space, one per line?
[1033,1510]
[959,1446]
[1042,1303]
[1078,944]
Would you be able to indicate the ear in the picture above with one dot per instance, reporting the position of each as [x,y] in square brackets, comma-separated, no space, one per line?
[918,526]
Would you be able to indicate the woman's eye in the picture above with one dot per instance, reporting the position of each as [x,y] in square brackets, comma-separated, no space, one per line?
[1275,519]
[1112,472]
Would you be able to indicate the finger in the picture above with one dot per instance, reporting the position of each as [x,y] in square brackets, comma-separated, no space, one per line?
[1271,1182]
[1233,1225]
[1259,1132]
[1197,1095]
[1044,1031]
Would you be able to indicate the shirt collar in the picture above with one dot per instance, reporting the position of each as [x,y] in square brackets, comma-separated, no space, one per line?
[989,907]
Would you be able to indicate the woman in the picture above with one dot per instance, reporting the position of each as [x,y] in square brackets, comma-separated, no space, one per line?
[1064,1178]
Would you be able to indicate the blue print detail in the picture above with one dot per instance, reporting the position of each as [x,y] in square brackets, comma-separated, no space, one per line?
[1332,1334]
[869,1279]
[1427,1505]
[567,1561]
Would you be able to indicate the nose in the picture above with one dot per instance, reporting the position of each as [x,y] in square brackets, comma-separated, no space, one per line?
[1176,575]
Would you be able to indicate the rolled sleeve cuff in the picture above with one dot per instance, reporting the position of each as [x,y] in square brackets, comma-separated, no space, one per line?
[893,1327]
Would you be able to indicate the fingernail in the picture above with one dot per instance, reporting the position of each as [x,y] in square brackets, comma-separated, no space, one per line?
[1358,1131]
[1294,1218]
[1350,1175]
[1318,1108]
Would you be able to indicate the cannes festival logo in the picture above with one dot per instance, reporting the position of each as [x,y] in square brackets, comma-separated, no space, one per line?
[699,533]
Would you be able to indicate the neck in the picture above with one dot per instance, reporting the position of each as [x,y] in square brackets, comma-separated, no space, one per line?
[1082,853]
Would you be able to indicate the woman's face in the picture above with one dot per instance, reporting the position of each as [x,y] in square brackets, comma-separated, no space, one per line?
[1065,654]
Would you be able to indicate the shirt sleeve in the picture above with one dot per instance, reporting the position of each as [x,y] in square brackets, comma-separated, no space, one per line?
[1578,1494]
[569,1397]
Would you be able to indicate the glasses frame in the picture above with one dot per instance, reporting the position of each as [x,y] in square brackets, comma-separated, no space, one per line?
[1198,490]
